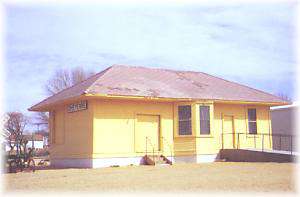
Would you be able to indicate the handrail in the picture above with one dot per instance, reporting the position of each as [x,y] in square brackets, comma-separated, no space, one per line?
[170,147]
[257,136]
[273,134]
[165,141]
[149,140]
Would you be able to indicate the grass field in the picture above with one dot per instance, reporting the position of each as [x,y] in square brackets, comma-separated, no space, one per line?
[219,176]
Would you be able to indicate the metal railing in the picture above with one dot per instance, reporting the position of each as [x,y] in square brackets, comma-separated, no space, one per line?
[279,142]
[148,141]
[165,141]
[152,147]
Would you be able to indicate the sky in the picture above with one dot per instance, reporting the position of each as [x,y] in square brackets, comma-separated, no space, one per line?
[252,44]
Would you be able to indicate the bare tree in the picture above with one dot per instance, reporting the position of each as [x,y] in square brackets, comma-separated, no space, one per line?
[61,80]
[42,117]
[284,97]
[14,127]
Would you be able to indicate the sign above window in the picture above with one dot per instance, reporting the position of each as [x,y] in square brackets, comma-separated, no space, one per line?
[82,105]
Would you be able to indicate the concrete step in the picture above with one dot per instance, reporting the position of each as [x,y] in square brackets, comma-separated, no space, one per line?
[156,160]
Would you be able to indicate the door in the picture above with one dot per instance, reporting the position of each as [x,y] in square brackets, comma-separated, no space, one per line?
[147,126]
[228,132]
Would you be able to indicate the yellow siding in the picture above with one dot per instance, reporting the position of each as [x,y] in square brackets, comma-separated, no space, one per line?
[211,144]
[207,144]
[108,128]
[147,135]
[240,118]
[115,126]
[72,133]
[51,127]
[184,146]
[59,127]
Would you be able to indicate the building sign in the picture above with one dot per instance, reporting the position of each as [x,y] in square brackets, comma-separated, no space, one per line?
[82,105]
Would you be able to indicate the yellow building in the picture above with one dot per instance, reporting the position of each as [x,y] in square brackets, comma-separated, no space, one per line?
[123,113]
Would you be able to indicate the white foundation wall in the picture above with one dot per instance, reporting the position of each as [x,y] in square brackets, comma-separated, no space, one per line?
[94,163]
[207,158]
[120,161]
[124,161]
[71,163]
[196,158]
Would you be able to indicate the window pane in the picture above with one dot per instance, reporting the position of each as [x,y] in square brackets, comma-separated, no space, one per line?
[204,127]
[185,127]
[184,122]
[252,128]
[252,121]
[204,120]
[252,114]
[184,112]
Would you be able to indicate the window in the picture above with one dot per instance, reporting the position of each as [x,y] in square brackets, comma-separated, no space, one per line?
[184,120]
[204,120]
[252,121]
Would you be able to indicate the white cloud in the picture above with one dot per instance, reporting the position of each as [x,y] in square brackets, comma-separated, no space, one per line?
[239,41]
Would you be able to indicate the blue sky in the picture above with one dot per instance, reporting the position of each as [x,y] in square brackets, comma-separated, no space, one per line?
[252,44]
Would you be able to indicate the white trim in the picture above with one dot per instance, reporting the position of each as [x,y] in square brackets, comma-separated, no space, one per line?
[185,159]
[206,158]
[294,105]
[196,158]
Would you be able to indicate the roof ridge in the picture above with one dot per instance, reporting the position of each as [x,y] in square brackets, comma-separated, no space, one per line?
[152,68]
[102,73]
[71,87]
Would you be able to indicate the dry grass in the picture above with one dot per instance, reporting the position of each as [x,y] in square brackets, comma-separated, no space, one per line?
[219,176]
